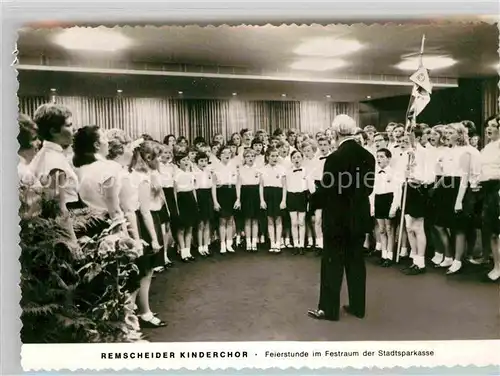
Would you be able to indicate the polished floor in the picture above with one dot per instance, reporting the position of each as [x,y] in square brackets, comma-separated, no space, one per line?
[265,297]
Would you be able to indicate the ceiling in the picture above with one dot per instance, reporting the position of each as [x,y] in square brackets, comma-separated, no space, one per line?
[257,51]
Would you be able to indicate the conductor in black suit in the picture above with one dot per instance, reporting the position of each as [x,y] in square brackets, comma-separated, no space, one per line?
[347,183]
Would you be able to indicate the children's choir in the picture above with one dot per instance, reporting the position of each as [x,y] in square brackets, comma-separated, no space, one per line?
[261,188]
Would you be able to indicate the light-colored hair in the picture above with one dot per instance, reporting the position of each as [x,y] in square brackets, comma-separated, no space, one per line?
[344,125]
[461,131]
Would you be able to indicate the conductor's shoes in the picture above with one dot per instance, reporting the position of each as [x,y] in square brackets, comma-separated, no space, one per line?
[387,263]
[318,314]
[351,312]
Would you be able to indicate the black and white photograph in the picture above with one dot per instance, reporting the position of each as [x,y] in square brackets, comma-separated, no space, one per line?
[288,183]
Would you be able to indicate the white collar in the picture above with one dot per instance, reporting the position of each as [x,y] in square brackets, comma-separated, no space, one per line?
[52,146]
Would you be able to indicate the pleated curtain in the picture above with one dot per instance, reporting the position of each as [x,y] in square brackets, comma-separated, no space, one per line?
[159,117]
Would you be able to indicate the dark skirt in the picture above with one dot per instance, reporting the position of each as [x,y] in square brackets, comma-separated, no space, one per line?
[272,197]
[383,205]
[416,201]
[444,197]
[491,206]
[226,197]
[171,203]
[205,204]
[473,208]
[250,201]
[188,209]
[149,259]
[314,199]
[296,201]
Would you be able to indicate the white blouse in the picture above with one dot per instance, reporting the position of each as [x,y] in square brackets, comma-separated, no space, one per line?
[317,167]
[203,179]
[490,162]
[272,176]
[167,172]
[226,174]
[51,156]
[95,178]
[135,179]
[297,180]
[184,181]
[249,175]
[450,161]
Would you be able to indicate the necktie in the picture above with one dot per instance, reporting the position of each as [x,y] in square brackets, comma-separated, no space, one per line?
[381,172]
[297,170]
[321,158]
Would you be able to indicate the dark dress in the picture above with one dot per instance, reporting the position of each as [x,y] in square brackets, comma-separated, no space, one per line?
[347,183]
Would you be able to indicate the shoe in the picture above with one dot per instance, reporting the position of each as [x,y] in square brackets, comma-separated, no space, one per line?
[153,322]
[277,250]
[351,312]
[191,258]
[296,251]
[186,260]
[447,262]
[414,270]
[318,252]
[230,248]
[477,261]
[387,263]
[272,250]
[302,251]
[169,264]
[318,314]
[437,259]
[455,267]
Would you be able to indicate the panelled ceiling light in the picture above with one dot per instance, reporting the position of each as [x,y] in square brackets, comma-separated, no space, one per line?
[119,91]
[180,92]
[328,47]
[283,95]
[318,64]
[430,62]
[235,94]
[368,97]
[88,39]
[53,90]
[328,96]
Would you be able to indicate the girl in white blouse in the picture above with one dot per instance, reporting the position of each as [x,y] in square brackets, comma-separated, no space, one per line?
[203,184]
[248,190]
[309,150]
[225,197]
[167,170]
[452,180]
[185,194]
[144,198]
[489,182]
[258,147]
[298,185]
[100,180]
[272,196]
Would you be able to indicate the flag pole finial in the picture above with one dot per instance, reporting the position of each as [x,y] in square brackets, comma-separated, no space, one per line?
[422,51]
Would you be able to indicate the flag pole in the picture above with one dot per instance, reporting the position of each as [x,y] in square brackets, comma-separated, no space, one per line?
[411,123]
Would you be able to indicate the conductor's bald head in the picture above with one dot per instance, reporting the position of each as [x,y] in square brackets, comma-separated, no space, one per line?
[344,125]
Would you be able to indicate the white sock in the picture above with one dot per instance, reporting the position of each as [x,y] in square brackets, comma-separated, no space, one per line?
[378,246]
[206,249]
[147,316]
[254,242]
[310,241]
[222,247]
[384,254]
[389,255]
[238,239]
[229,243]
[404,252]
[262,239]
[201,249]
[413,254]
[319,243]
[184,253]
[419,261]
